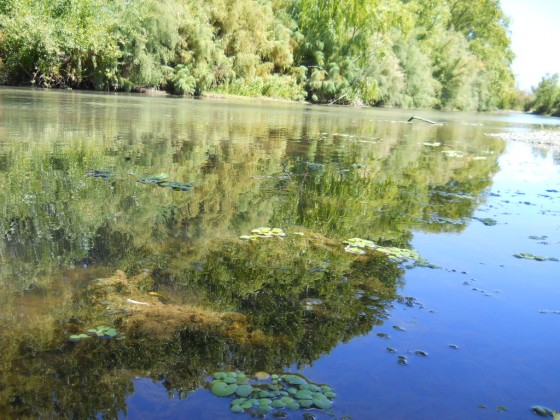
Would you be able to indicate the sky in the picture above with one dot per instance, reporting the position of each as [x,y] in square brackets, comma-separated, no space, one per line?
[535,38]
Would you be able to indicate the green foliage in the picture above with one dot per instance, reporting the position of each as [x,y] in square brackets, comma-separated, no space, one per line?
[442,53]
[547,96]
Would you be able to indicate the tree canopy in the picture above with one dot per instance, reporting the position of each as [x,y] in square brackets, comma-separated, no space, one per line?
[447,54]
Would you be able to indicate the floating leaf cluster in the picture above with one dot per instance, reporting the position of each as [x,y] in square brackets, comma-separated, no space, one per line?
[105,174]
[359,246]
[487,221]
[264,232]
[263,393]
[101,331]
[542,411]
[453,153]
[160,180]
[528,256]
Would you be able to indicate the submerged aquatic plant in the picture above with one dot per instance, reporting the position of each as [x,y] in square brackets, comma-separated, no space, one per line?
[263,392]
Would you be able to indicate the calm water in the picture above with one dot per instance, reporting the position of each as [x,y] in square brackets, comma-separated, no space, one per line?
[110,202]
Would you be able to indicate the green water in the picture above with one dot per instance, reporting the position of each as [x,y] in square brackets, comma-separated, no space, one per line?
[109,202]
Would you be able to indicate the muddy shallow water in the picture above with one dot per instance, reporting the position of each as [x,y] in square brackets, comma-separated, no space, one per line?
[132,272]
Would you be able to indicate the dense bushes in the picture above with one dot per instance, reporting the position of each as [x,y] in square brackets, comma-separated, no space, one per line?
[450,54]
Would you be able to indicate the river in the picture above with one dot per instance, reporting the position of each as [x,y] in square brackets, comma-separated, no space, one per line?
[158,252]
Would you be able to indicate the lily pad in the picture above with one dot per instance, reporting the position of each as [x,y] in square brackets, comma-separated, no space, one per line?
[78,337]
[542,411]
[105,174]
[237,409]
[305,403]
[294,379]
[487,221]
[278,404]
[244,390]
[287,391]
[176,185]
[219,375]
[354,250]
[304,395]
[322,403]
[261,376]
[222,389]
[528,256]
[153,179]
[293,406]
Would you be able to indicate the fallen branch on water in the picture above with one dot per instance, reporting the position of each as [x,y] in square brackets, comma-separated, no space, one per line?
[421,119]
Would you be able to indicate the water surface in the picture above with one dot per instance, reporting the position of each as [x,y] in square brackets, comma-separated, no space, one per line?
[78,205]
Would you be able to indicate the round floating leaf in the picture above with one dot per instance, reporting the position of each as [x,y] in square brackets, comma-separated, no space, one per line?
[244,390]
[111,332]
[325,388]
[322,403]
[294,380]
[292,390]
[219,375]
[263,394]
[265,401]
[77,337]
[330,394]
[293,406]
[230,380]
[354,250]
[261,376]
[305,403]
[304,395]
[241,380]
[287,400]
[265,409]
[237,409]
[319,396]
[314,388]
[278,404]
[222,389]
[238,401]
[247,404]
